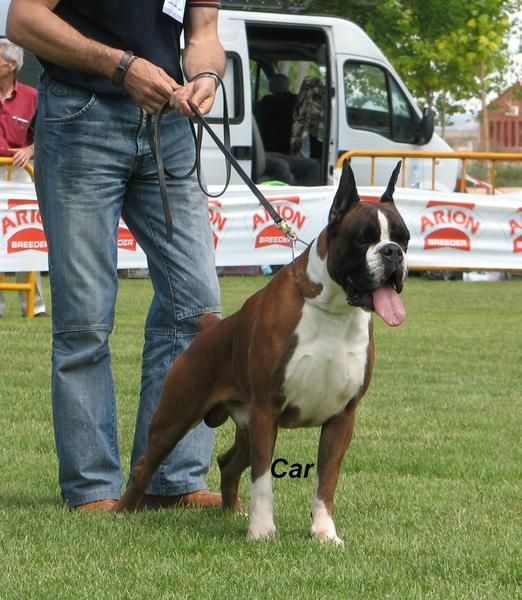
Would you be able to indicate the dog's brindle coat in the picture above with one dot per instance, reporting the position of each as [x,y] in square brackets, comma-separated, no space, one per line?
[299,353]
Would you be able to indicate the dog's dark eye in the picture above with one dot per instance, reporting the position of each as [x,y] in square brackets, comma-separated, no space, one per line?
[362,240]
[365,237]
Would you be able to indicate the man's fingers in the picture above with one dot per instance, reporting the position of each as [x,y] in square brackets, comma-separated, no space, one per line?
[200,92]
[19,159]
[149,85]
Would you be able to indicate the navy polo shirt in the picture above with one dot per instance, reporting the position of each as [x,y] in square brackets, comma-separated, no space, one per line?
[137,25]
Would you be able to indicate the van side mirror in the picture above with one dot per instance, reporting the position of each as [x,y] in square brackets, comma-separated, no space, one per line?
[426,127]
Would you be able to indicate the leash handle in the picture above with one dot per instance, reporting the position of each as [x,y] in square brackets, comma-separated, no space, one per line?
[154,134]
[231,160]
[153,129]
[226,136]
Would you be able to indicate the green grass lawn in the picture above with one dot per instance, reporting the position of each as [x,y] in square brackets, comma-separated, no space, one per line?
[429,501]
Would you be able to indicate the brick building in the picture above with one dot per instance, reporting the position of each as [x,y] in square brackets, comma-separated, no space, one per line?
[505,120]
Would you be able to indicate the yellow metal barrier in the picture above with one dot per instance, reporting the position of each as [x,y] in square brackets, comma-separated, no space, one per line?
[494,157]
[30,286]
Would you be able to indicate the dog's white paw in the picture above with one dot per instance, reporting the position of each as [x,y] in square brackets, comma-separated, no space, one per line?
[326,536]
[323,526]
[261,531]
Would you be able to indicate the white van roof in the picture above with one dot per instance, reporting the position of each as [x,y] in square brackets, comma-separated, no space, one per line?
[349,37]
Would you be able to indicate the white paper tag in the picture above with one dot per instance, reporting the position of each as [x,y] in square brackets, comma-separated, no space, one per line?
[175,9]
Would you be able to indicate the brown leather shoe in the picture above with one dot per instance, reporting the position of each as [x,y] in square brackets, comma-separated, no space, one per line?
[97,506]
[197,499]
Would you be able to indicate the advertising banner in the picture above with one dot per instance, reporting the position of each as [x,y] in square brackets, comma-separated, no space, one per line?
[448,231]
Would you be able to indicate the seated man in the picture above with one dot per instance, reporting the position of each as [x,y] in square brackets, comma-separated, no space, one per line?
[273,115]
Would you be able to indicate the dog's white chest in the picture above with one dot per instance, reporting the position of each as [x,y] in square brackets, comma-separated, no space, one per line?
[328,366]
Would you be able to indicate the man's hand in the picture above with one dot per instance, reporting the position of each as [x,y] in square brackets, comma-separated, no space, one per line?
[21,156]
[149,85]
[201,92]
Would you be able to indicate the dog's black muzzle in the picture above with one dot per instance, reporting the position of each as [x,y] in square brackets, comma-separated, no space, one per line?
[392,254]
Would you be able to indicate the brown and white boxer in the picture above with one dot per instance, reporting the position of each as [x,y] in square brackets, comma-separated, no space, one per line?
[299,353]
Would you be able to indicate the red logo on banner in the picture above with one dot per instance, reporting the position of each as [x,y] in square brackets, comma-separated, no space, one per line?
[14,202]
[433,203]
[217,220]
[449,225]
[17,218]
[126,240]
[266,233]
[29,238]
[270,236]
[447,238]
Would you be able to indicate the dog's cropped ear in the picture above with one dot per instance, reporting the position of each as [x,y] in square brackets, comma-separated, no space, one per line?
[346,196]
[388,194]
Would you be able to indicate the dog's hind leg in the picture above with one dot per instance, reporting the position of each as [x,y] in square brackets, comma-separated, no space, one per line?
[335,438]
[232,464]
[146,467]
[185,400]
[163,437]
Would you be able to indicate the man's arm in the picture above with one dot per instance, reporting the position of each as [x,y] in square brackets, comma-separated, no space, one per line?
[203,53]
[32,24]
[203,50]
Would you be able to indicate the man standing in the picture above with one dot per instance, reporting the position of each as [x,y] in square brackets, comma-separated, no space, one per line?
[107,67]
[17,106]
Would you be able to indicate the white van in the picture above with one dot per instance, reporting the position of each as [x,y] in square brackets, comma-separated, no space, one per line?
[360,101]
[365,104]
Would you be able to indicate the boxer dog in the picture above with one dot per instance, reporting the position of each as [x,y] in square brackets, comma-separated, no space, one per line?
[299,353]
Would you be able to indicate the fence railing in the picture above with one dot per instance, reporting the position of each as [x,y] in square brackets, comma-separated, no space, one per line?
[492,157]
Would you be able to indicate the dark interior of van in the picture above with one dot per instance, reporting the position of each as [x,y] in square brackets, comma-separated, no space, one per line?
[290,87]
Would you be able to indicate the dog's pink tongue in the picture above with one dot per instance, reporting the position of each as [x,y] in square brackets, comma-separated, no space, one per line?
[388,306]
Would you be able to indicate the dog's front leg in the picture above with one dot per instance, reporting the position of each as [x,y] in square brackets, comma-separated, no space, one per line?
[335,438]
[263,432]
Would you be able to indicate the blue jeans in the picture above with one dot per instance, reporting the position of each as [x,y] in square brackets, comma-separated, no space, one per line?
[93,164]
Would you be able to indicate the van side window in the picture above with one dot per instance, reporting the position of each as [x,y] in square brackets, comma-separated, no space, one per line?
[374,102]
[235,94]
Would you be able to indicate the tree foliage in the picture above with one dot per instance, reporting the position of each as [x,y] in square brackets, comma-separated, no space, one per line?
[445,50]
